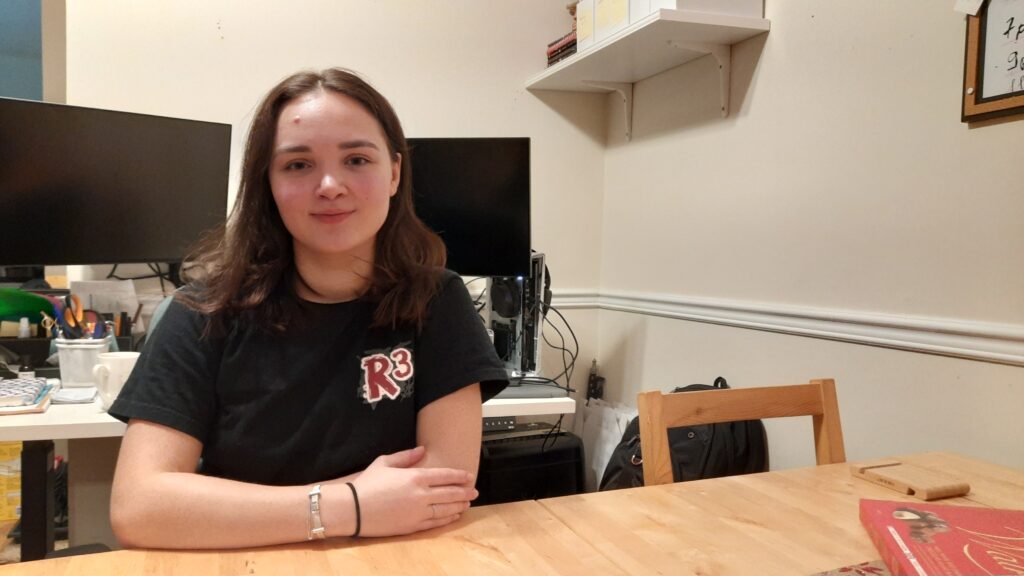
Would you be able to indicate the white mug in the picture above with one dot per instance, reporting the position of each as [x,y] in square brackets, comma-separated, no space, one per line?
[111,372]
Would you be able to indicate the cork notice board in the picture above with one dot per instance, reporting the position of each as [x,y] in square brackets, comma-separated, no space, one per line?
[994,61]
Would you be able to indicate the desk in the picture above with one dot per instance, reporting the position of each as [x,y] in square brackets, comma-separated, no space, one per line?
[61,421]
[94,438]
[790,522]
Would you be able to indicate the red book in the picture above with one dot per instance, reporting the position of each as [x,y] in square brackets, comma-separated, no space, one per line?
[920,539]
[555,46]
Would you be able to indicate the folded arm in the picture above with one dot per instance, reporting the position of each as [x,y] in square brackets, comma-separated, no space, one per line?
[159,501]
[451,428]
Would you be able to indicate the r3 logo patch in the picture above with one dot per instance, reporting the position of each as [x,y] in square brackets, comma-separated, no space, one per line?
[387,374]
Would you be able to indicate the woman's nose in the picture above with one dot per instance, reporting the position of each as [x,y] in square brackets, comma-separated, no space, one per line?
[330,186]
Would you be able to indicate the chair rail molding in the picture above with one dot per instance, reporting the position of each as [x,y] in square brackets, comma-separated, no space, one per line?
[984,341]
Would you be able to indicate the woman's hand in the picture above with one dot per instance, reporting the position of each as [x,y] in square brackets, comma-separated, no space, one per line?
[395,498]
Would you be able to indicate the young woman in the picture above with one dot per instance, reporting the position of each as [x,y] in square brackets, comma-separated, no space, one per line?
[324,375]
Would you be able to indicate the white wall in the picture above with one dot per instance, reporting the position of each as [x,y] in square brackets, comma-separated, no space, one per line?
[842,183]
[891,402]
[842,180]
[453,68]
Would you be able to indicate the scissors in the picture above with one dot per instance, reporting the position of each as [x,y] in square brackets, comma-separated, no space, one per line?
[77,322]
[70,316]
[51,325]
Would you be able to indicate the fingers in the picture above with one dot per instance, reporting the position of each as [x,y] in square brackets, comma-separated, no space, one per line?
[448,510]
[438,522]
[449,494]
[445,476]
[403,459]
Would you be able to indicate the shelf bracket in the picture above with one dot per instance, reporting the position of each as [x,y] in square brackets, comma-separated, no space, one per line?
[723,55]
[625,90]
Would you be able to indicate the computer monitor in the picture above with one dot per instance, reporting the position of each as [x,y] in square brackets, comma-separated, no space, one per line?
[88,186]
[475,193]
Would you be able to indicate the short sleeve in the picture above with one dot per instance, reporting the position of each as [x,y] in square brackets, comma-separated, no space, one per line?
[453,349]
[174,380]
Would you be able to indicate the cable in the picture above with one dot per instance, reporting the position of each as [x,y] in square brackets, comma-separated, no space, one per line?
[116,277]
[153,267]
[481,298]
[156,270]
[570,364]
[566,365]
[538,380]
[552,433]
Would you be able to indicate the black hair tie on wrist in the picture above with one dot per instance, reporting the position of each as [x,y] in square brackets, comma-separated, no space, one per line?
[359,520]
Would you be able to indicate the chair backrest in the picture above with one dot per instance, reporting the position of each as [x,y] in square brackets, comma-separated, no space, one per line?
[659,412]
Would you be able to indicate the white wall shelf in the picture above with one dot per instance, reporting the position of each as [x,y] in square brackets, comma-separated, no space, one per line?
[501,407]
[662,40]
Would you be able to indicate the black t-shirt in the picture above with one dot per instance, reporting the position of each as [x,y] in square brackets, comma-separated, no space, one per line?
[317,402]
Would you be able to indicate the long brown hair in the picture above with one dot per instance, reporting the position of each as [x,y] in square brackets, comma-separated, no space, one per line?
[248,268]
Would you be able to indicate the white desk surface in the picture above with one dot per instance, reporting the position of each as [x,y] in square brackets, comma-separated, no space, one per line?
[65,421]
[61,421]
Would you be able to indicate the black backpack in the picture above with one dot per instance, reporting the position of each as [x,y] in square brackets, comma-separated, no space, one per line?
[705,451]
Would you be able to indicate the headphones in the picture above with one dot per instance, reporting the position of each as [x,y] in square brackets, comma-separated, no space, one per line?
[506,299]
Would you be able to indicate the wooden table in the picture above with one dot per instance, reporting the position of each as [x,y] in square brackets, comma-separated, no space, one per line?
[790,522]
[503,539]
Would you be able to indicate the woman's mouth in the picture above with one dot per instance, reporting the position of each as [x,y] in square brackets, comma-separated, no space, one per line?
[331,217]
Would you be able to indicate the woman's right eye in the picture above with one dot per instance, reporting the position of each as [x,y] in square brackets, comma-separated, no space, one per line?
[296,165]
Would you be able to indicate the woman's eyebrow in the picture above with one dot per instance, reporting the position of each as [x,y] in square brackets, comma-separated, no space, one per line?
[357,144]
[346,145]
[291,149]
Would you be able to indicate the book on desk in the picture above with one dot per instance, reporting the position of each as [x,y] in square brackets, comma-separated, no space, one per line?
[25,395]
[925,539]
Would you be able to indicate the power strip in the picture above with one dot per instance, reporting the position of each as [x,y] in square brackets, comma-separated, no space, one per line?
[499,423]
[522,431]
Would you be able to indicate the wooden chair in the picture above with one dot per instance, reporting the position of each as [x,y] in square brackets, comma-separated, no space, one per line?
[659,412]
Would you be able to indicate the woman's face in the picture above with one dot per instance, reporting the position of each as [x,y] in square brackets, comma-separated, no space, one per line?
[332,177]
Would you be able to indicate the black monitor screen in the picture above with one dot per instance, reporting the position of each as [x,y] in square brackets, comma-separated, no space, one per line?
[86,186]
[475,193]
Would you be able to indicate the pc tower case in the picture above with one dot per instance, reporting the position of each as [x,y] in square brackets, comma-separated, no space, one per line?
[516,318]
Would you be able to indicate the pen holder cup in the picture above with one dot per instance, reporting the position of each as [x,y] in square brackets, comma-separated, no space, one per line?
[77,358]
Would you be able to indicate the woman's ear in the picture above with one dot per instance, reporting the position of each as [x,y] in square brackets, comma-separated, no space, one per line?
[396,174]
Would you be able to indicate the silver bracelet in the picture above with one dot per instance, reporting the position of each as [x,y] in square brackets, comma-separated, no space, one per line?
[316,527]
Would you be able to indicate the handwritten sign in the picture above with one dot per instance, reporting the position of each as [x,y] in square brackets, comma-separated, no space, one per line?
[1003,58]
[994,61]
